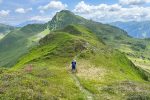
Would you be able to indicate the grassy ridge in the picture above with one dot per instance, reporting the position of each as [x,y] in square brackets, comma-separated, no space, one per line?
[16,43]
[44,72]
[111,35]
[138,49]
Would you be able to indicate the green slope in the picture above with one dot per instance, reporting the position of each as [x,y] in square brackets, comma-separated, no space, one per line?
[44,73]
[17,42]
[10,49]
[41,67]
[1,36]
[65,18]
[4,29]
[136,49]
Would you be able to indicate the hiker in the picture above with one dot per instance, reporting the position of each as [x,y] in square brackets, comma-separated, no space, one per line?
[74,65]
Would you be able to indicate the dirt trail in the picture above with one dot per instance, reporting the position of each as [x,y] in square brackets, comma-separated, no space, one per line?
[88,94]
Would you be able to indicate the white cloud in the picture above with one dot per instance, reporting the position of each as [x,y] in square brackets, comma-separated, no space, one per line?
[41,18]
[133,2]
[53,5]
[4,13]
[22,10]
[114,12]
[82,7]
[41,11]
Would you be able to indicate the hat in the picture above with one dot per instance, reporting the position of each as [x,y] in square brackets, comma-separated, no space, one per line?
[74,60]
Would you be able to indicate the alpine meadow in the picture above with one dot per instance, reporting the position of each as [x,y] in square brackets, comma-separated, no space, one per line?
[74,56]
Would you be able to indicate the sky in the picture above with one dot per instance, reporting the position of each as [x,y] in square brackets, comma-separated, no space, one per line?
[14,12]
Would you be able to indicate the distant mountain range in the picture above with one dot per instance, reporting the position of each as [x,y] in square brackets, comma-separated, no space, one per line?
[135,29]
[29,22]
[4,29]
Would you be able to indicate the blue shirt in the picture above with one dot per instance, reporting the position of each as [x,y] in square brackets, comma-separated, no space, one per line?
[73,63]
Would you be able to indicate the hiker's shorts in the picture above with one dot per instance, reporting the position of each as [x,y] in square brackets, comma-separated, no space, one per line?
[73,67]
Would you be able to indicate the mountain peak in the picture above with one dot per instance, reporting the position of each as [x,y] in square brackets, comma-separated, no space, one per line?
[63,19]
[66,11]
[63,13]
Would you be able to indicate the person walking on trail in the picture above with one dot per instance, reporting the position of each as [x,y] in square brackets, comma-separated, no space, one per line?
[74,65]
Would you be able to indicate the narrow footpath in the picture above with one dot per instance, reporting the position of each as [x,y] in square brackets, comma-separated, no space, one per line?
[88,94]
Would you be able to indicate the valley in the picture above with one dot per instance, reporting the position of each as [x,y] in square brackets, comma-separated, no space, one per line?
[135,29]
[4,29]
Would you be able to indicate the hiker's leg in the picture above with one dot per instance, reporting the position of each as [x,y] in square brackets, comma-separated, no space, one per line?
[72,68]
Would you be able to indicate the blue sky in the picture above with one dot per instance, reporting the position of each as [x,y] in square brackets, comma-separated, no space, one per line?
[17,11]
